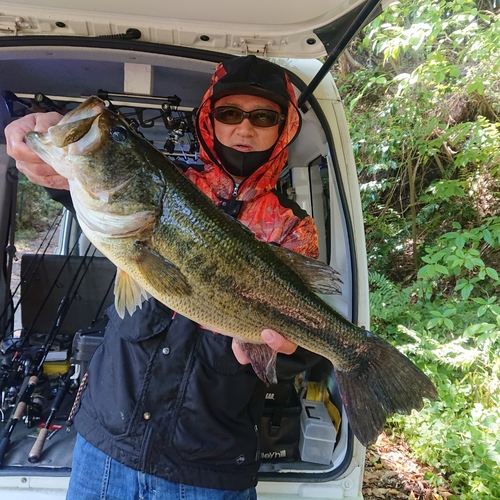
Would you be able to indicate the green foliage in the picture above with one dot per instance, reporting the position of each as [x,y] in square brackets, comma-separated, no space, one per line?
[424,117]
[34,208]
[457,255]
[391,305]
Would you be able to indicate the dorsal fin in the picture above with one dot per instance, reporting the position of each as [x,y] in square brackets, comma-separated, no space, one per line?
[320,277]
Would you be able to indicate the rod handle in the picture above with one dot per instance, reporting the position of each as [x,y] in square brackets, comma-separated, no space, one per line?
[36,450]
[20,409]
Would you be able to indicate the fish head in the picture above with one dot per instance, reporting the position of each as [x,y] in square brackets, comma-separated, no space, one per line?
[92,144]
[107,166]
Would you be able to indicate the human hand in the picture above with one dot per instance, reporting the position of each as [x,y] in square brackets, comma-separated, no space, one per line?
[28,162]
[273,339]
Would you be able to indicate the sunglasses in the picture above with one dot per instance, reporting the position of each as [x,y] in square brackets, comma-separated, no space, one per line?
[230,115]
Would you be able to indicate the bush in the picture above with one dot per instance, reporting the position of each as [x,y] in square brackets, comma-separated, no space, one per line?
[35,209]
[424,117]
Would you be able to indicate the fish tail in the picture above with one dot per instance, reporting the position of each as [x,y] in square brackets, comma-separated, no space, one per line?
[384,382]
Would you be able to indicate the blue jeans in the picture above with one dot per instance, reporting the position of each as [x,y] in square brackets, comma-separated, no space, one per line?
[95,476]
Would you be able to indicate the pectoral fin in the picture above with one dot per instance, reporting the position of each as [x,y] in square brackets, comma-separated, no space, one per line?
[320,277]
[128,294]
[160,272]
[262,359]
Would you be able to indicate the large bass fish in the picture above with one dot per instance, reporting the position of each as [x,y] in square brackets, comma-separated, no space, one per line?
[170,241]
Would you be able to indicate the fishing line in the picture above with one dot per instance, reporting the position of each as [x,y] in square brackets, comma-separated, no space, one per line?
[54,283]
[36,366]
[101,305]
[53,227]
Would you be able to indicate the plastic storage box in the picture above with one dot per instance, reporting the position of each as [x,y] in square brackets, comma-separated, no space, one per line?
[318,435]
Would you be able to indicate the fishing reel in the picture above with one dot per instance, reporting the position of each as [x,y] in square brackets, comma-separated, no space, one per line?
[34,409]
[13,369]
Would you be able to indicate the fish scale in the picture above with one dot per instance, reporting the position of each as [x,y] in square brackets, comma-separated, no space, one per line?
[170,241]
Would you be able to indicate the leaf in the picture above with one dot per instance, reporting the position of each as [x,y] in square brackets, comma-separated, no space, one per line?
[448,323]
[486,336]
[482,311]
[427,270]
[441,269]
[479,300]
[495,309]
[478,262]
[458,263]
[433,322]
[477,86]
[492,273]
[449,312]
[488,237]
[473,330]
[466,291]
[460,241]
[454,71]
[490,422]
[379,493]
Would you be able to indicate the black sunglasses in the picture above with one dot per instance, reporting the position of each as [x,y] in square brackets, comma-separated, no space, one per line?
[230,115]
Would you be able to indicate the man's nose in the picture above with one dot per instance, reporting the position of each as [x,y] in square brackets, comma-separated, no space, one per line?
[245,127]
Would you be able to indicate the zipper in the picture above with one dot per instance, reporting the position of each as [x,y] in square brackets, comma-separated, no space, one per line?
[257,435]
[232,206]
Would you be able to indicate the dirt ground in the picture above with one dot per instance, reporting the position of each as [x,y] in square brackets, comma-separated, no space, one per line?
[392,473]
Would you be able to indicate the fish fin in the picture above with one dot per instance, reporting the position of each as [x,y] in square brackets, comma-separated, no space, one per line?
[128,294]
[262,359]
[160,272]
[319,277]
[385,382]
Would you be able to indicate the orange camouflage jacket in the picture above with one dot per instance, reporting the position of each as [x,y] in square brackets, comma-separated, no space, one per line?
[271,217]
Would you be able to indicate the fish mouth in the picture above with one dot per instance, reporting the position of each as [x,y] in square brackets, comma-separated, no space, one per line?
[76,124]
[54,145]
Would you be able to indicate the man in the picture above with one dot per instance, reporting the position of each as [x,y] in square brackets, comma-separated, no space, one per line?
[170,409]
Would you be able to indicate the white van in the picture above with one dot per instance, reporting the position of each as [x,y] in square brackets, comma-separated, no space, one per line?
[154,60]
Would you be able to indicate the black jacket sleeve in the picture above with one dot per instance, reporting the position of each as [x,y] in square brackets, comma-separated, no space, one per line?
[63,197]
[288,366]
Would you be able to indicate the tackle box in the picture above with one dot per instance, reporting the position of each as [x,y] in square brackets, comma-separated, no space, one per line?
[317,433]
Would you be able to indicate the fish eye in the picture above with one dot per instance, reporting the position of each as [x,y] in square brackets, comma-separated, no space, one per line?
[119,134]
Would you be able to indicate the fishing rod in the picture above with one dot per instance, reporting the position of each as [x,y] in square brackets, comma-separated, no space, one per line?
[16,361]
[64,387]
[10,249]
[20,343]
[53,285]
[32,381]
[52,229]
[103,301]
[37,363]
[24,105]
